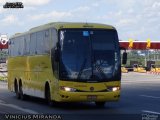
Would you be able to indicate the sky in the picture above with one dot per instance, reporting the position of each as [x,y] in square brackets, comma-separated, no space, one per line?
[136,19]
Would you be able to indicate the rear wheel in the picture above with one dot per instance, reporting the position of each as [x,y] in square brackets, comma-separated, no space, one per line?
[22,96]
[100,104]
[16,89]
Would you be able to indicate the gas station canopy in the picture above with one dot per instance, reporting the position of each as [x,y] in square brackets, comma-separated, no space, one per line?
[139,45]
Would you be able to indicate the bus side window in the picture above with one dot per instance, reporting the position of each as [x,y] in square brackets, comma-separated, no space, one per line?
[46,42]
[40,43]
[10,47]
[24,53]
[15,47]
[27,44]
[21,46]
[33,44]
[54,40]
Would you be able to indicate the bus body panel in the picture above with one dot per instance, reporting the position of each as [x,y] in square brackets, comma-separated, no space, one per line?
[33,71]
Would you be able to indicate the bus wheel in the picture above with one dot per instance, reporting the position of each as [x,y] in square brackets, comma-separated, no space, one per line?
[100,104]
[16,89]
[48,95]
[22,96]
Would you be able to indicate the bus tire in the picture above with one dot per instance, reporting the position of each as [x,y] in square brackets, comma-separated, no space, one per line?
[48,95]
[16,90]
[22,96]
[100,104]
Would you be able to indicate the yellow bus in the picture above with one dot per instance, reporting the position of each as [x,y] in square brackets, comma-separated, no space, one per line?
[66,62]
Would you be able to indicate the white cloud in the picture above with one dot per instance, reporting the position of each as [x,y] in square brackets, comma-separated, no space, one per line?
[81,9]
[60,16]
[126,22]
[131,11]
[51,16]
[10,19]
[28,2]
[133,18]
[30,8]
[156,4]
[95,5]
[2,1]
[2,10]
[35,2]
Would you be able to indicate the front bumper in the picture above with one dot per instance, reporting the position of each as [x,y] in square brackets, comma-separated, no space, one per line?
[87,96]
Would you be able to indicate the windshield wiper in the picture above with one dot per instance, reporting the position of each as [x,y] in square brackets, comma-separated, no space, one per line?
[82,68]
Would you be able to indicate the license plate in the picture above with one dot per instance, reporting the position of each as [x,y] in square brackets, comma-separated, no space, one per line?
[91,97]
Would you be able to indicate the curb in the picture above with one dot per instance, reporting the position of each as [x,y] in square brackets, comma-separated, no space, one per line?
[154,73]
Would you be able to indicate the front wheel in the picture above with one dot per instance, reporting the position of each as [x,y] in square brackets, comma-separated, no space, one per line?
[48,96]
[100,104]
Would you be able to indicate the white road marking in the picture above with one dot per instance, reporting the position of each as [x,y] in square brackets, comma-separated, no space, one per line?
[141,82]
[18,108]
[150,96]
[151,112]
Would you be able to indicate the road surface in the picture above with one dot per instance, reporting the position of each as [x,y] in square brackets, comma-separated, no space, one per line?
[140,95]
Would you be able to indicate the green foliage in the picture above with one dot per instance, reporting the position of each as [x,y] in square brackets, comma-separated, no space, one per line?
[3,78]
[135,55]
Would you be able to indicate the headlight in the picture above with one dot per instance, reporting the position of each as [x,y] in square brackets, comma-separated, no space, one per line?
[114,89]
[67,89]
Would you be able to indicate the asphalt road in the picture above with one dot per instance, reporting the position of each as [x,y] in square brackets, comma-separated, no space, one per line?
[140,95]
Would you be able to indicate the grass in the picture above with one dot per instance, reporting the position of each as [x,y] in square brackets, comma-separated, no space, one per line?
[3,78]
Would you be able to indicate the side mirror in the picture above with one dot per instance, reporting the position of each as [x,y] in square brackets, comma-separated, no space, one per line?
[124,58]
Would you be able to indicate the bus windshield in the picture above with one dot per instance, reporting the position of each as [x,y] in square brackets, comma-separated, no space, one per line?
[89,55]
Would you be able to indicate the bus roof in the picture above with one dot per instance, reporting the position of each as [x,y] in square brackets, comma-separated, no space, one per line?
[60,25]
